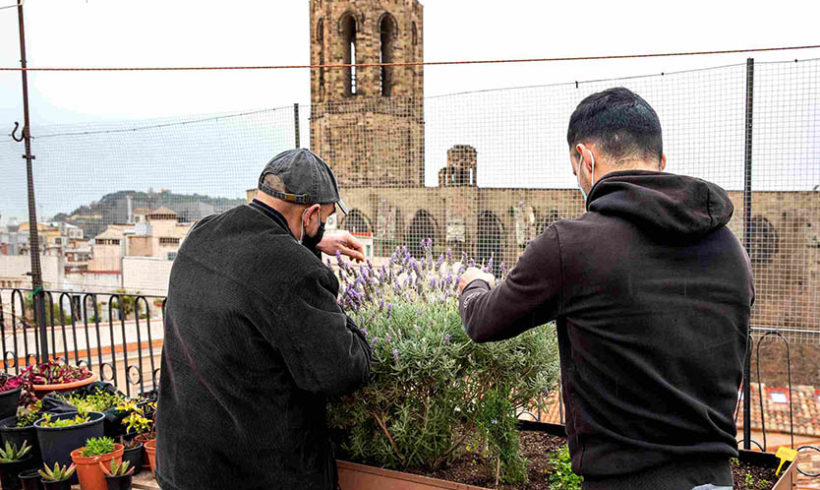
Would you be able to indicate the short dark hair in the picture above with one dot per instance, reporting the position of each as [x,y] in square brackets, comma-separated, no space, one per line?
[620,121]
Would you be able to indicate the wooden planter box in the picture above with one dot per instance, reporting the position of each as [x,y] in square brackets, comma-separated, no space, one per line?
[354,476]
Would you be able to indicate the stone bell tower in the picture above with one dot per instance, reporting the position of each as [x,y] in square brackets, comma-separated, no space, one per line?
[368,123]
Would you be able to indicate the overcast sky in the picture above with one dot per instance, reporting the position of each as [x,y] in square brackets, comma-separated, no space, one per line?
[65,33]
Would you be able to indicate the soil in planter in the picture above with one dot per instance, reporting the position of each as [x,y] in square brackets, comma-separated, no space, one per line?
[538,447]
[751,477]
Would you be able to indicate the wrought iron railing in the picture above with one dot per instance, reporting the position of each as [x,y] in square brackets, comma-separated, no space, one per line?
[117,335]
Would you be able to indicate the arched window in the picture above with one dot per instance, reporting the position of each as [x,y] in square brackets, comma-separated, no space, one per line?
[421,228]
[349,39]
[387,30]
[489,240]
[355,222]
[320,40]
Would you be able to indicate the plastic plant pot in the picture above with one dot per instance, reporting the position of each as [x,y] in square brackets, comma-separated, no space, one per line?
[9,401]
[151,451]
[56,443]
[118,482]
[57,485]
[18,435]
[43,390]
[134,457]
[31,480]
[90,472]
[9,472]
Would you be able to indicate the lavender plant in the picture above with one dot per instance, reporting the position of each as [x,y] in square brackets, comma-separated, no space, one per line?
[433,391]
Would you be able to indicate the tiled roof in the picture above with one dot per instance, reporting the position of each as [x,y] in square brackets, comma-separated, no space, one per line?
[805,403]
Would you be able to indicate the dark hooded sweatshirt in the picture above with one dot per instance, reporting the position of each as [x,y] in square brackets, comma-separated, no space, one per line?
[652,296]
[254,343]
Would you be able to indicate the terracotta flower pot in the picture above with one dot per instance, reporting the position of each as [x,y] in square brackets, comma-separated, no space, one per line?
[142,439]
[151,450]
[42,390]
[88,469]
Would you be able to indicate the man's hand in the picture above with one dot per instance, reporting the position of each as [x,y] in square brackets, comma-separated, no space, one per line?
[341,241]
[471,275]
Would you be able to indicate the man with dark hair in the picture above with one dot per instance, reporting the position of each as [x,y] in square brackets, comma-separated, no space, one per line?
[652,295]
[255,341]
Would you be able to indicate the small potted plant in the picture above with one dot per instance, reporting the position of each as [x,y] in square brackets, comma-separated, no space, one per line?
[88,458]
[147,437]
[118,475]
[56,375]
[97,401]
[60,434]
[20,429]
[57,478]
[135,425]
[13,460]
[10,388]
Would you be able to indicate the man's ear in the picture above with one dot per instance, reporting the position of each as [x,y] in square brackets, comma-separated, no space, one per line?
[663,162]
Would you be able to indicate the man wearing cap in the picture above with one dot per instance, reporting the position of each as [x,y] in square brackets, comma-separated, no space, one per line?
[255,341]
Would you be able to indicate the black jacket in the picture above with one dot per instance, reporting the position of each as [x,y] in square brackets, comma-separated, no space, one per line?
[254,342]
[652,296]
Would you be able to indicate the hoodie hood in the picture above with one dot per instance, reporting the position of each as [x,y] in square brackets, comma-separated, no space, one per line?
[665,204]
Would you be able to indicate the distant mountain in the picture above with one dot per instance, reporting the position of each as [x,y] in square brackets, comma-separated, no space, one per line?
[113,208]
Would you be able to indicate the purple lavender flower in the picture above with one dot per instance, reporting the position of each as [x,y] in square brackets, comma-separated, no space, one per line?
[433,282]
[503,269]
[375,340]
[483,269]
[328,262]
[338,255]
[447,339]
[440,261]
[381,305]
[387,338]
[364,330]
[418,329]
[471,263]
[396,354]
[494,421]
[389,309]
[490,263]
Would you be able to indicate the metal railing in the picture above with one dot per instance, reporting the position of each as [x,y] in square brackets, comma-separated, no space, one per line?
[117,335]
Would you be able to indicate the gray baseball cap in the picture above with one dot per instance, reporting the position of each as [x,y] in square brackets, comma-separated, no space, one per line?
[306,177]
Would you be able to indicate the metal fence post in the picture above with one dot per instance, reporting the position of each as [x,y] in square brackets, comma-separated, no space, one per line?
[296,123]
[747,235]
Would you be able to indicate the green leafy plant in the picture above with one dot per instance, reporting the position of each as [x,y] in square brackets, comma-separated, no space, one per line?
[11,453]
[97,446]
[433,391]
[117,469]
[562,477]
[136,423]
[26,416]
[99,401]
[58,473]
[78,419]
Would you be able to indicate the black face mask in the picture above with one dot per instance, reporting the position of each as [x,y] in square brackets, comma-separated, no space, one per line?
[312,241]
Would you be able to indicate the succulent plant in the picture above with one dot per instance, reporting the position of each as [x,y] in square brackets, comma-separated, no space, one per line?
[117,469]
[58,473]
[11,453]
[97,446]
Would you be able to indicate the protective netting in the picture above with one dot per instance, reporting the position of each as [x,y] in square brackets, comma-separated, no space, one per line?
[480,172]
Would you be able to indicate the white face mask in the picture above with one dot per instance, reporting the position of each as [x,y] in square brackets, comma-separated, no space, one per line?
[592,175]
